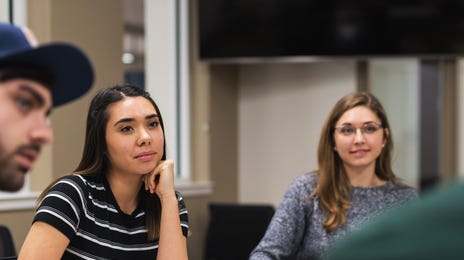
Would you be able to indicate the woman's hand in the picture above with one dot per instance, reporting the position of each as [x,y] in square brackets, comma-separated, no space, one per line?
[172,243]
[161,179]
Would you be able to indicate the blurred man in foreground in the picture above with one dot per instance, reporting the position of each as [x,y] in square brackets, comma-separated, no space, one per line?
[33,80]
[430,228]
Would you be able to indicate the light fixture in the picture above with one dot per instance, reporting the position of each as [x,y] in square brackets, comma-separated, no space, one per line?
[128,58]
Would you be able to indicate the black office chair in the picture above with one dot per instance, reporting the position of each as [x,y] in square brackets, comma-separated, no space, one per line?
[7,247]
[234,230]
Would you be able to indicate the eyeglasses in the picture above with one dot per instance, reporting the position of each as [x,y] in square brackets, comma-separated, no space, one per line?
[349,130]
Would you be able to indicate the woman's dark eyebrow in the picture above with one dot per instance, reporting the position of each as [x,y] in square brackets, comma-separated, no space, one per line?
[125,120]
[152,116]
[365,123]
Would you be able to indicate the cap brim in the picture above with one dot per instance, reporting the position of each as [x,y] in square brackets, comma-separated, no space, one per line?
[71,68]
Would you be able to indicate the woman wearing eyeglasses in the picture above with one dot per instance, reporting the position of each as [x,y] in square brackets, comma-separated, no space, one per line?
[354,183]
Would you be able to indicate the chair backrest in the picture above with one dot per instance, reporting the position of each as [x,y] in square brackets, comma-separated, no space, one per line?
[7,247]
[234,230]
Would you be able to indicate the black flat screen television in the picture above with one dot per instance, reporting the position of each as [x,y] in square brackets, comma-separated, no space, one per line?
[241,29]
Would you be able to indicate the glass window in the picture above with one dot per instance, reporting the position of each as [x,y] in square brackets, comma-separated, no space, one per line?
[155,57]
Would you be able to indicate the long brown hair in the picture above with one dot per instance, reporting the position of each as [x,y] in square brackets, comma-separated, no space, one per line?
[333,186]
[94,161]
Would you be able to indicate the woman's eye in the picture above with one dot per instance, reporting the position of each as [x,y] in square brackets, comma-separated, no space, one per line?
[347,130]
[126,129]
[154,124]
[370,128]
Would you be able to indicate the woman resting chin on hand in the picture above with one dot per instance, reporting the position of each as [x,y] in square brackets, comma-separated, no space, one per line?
[120,202]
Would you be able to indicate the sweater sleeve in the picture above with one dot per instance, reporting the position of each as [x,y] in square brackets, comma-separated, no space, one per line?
[285,231]
[62,205]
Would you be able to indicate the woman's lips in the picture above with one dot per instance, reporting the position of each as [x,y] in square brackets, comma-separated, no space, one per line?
[359,153]
[145,156]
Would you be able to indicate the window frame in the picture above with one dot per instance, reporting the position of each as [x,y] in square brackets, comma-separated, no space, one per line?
[175,111]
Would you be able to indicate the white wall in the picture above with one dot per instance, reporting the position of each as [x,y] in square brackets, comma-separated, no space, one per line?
[281,111]
[396,83]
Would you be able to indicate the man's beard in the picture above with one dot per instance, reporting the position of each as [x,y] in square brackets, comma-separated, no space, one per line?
[12,175]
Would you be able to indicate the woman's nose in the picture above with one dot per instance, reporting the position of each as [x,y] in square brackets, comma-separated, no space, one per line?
[358,136]
[144,138]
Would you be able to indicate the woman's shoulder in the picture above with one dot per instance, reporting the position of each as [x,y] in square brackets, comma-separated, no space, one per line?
[304,183]
[70,179]
[404,191]
[77,182]
[307,178]
[73,178]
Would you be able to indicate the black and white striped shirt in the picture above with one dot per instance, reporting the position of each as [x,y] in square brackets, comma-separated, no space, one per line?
[85,211]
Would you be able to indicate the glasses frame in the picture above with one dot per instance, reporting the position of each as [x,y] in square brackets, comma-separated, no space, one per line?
[362,129]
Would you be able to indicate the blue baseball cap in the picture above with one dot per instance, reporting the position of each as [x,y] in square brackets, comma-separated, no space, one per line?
[70,67]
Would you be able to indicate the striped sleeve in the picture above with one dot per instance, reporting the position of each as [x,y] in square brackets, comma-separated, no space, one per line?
[183,214]
[62,205]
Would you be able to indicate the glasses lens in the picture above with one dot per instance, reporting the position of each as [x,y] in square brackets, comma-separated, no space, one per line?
[347,130]
[370,128]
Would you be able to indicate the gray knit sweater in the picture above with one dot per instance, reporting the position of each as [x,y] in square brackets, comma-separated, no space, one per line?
[296,231]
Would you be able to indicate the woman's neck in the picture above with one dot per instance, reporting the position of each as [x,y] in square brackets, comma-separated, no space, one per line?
[365,178]
[125,190]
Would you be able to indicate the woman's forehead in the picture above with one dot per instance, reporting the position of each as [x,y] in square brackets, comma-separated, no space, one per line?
[358,114]
[131,107]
